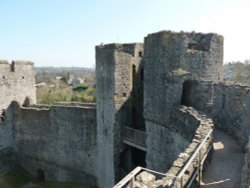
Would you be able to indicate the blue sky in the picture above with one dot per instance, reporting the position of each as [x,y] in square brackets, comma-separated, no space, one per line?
[65,32]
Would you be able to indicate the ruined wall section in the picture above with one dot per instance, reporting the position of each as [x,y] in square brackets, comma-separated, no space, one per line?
[17,81]
[163,146]
[157,57]
[59,140]
[228,104]
[204,56]
[231,109]
[114,73]
[170,59]
[7,144]
[6,130]
[198,94]
[202,126]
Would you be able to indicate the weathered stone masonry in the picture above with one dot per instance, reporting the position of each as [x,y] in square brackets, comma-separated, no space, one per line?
[60,140]
[115,66]
[144,87]
[17,81]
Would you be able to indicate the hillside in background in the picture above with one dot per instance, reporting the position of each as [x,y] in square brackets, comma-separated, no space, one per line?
[48,73]
[237,72]
[65,84]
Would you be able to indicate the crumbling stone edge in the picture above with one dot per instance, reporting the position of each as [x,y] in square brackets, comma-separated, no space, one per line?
[205,126]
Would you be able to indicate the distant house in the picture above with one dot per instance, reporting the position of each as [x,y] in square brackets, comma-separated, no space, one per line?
[59,78]
[40,85]
[76,81]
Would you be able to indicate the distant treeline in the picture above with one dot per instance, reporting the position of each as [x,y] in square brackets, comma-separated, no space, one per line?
[47,74]
[237,71]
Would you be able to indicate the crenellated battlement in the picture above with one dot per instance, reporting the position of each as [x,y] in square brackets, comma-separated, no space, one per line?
[15,66]
[17,81]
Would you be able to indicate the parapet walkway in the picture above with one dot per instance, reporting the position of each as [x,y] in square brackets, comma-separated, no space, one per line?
[225,169]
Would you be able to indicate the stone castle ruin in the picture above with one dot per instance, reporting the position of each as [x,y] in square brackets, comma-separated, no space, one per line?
[158,104]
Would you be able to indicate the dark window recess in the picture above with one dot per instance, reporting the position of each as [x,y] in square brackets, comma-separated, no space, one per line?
[12,67]
[223,100]
[186,98]
[22,77]
[2,115]
[133,75]
[193,46]
[138,157]
[124,94]
[40,175]
[3,77]
[140,54]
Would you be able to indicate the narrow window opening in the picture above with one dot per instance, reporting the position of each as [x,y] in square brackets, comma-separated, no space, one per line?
[186,98]
[124,94]
[22,77]
[192,46]
[140,54]
[12,67]
[3,77]
[133,76]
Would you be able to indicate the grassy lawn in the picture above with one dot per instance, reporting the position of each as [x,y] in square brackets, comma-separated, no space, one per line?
[61,185]
[17,180]
[13,180]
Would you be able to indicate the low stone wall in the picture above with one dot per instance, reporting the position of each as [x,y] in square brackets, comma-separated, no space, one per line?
[205,126]
[231,109]
[163,146]
[227,103]
[188,118]
[59,140]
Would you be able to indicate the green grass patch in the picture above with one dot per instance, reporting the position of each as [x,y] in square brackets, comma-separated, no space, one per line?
[61,185]
[54,95]
[17,180]
[13,180]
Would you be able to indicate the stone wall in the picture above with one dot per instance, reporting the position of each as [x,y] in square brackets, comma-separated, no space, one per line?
[188,118]
[17,81]
[6,130]
[203,125]
[231,109]
[228,104]
[60,140]
[115,67]
[163,146]
[246,168]
[172,58]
